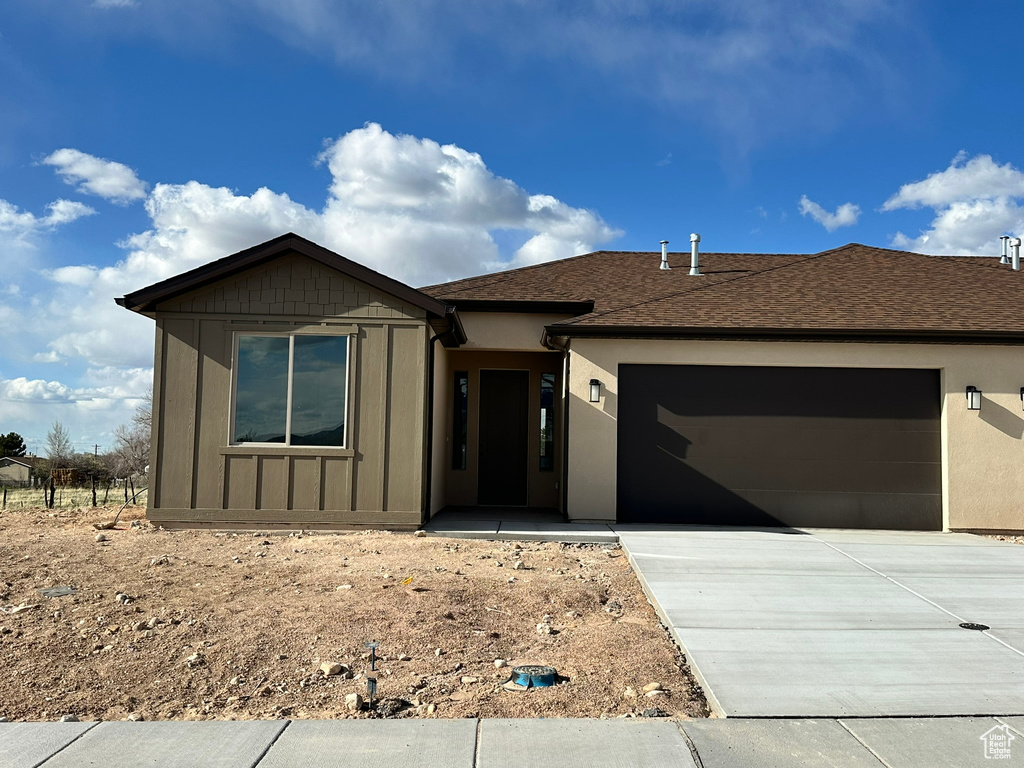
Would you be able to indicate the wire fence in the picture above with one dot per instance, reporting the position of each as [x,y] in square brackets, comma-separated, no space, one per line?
[66,497]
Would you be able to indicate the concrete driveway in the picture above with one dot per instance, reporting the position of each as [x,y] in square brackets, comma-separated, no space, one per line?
[830,623]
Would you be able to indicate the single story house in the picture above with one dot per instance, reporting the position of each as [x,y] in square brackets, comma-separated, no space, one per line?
[16,470]
[856,387]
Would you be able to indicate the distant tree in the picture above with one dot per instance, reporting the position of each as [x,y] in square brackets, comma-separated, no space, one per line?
[131,450]
[131,441]
[143,416]
[12,444]
[58,446]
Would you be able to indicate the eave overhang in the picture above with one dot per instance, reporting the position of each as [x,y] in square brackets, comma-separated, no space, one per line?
[866,335]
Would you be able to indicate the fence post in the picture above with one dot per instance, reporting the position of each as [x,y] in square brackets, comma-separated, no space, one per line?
[52,491]
[94,490]
[5,497]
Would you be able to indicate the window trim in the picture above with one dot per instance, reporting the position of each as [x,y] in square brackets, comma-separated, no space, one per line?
[290,335]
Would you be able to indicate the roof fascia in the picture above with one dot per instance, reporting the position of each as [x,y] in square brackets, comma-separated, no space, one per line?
[787,334]
[574,308]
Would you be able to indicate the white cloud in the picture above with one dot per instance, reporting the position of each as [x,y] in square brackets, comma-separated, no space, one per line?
[846,215]
[97,176]
[91,412]
[19,224]
[412,208]
[974,202]
[423,212]
[34,391]
[964,180]
[114,3]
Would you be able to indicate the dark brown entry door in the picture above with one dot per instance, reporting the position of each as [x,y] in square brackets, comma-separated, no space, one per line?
[504,402]
[816,447]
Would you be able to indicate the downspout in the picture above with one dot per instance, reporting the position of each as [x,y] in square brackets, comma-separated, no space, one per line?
[429,474]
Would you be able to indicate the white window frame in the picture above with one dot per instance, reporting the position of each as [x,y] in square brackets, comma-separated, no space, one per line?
[290,335]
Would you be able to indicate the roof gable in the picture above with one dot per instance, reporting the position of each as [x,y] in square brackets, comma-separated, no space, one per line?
[291,284]
[19,460]
[146,299]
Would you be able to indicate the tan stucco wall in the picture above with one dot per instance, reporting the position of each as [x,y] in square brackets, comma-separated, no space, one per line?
[378,478]
[519,331]
[14,473]
[982,451]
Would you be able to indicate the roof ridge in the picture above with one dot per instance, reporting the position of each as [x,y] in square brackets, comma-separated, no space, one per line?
[705,287]
[540,265]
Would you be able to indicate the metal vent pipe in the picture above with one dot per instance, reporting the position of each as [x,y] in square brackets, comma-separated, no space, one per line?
[694,262]
[1015,254]
[664,255]
[1005,258]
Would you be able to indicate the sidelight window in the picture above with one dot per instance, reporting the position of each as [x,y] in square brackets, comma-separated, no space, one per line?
[547,422]
[460,420]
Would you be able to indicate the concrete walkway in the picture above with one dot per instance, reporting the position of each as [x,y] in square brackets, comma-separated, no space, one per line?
[733,743]
[830,623]
[503,525]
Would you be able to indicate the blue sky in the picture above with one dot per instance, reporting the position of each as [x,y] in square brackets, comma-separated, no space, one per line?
[436,139]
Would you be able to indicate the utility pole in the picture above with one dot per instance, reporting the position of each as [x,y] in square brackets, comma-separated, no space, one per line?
[96,449]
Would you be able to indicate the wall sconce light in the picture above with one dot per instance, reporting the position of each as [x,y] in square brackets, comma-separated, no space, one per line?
[595,391]
[974,399]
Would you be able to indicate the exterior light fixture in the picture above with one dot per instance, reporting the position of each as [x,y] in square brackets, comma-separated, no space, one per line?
[974,399]
[1022,397]
[595,391]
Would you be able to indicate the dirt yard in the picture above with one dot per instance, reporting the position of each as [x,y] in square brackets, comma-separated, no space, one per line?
[1008,538]
[200,625]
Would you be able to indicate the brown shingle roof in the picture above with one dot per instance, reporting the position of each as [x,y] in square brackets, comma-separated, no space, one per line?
[853,289]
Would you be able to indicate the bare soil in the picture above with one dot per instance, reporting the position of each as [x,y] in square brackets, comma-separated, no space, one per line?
[1008,538]
[236,625]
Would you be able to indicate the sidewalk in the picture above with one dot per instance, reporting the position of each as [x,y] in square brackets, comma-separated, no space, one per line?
[732,743]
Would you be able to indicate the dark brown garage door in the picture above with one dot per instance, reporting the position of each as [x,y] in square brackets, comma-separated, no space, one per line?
[829,447]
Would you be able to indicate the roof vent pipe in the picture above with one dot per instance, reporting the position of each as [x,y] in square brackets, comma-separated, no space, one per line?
[664,255]
[1015,254]
[1005,258]
[694,263]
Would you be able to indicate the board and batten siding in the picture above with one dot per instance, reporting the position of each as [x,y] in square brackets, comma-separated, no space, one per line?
[377,478]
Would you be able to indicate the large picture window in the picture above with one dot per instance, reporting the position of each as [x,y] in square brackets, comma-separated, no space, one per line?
[290,389]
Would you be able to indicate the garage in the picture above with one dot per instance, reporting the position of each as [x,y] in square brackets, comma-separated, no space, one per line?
[812,447]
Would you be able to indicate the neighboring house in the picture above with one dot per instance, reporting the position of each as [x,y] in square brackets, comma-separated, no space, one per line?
[17,470]
[293,386]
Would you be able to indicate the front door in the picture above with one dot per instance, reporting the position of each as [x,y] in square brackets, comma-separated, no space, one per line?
[503,464]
